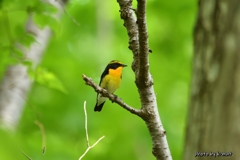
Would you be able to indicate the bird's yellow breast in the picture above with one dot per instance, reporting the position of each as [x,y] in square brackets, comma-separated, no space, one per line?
[112,80]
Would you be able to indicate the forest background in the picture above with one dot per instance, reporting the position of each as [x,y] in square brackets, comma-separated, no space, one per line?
[86,49]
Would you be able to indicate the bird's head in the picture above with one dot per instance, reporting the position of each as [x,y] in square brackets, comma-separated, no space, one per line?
[115,64]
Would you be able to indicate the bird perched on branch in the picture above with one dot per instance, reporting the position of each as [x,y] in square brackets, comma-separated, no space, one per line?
[110,80]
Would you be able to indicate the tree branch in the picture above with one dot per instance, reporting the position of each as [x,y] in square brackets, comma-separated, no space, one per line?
[86,129]
[112,97]
[138,43]
[130,22]
[144,80]
[143,77]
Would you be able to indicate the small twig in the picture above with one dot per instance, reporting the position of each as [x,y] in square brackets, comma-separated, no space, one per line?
[29,158]
[40,125]
[86,129]
[89,147]
[112,97]
[88,144]
[70,17]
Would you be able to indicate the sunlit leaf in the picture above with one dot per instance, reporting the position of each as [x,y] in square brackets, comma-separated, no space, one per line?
[49,79]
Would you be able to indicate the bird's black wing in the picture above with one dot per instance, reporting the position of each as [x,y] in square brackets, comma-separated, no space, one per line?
[105,72]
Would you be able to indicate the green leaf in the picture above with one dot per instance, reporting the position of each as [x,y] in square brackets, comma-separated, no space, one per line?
[27,63]
[54,24]
[40,7]
[43,20]
[18,53]
[23,37]
[4,59]
[28,40]
[49,79]
[31,73]
[19,30]
[43,13]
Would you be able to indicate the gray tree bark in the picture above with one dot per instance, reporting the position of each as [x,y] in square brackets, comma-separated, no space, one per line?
[138,44]
[214,111]
[16,83]
[136,26]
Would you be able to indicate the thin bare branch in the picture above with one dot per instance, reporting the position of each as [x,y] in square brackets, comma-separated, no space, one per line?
[40,125]
[86,129]
[29,158]
[69,16]
[88,144]
[112,97]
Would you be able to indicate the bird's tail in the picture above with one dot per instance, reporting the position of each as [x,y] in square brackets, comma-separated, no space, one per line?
[98,108]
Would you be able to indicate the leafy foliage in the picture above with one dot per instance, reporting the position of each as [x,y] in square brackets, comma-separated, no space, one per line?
[12,54]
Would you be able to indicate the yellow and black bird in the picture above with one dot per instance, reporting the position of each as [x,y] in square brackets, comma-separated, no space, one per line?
[110,80]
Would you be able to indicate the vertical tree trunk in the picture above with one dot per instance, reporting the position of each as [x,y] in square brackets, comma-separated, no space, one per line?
[214,112]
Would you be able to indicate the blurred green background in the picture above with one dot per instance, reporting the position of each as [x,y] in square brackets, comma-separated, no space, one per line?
[86,49]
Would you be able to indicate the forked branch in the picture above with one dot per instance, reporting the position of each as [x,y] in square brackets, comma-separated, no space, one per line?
[86,129]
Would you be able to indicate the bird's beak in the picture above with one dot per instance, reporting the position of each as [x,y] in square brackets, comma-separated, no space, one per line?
[124,65]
